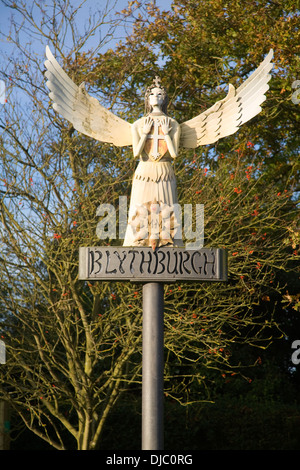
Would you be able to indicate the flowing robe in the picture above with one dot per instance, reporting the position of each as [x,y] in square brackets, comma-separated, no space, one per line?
[153,179]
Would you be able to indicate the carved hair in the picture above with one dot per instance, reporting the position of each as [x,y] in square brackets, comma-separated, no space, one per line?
[156,84]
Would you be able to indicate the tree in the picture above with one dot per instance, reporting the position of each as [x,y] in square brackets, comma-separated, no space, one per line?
[73,346]
[201,47]
[68,348]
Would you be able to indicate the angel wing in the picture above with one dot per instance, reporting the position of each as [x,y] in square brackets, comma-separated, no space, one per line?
[226,116]
[85,112]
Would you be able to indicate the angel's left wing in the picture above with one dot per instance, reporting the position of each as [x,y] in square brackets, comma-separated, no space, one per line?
[226,116]
[85,112]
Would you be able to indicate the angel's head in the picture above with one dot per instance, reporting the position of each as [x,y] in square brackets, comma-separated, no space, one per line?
[156,95]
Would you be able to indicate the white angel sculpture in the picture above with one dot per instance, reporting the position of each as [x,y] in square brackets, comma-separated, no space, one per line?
[156,138]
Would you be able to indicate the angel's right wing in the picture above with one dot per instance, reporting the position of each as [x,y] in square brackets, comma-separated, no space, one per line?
[226,116]
[85,112]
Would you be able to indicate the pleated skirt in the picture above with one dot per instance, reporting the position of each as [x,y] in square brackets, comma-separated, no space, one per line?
[151,180]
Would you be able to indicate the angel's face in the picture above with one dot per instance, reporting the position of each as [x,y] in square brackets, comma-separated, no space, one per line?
[156,97]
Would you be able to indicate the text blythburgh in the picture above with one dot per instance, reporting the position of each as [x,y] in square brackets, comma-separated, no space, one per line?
[138,264]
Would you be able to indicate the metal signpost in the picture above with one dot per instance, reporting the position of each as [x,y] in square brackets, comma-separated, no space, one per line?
[153,269]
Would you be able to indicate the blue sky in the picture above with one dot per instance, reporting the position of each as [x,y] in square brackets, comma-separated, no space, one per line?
[87,9]
[35,44]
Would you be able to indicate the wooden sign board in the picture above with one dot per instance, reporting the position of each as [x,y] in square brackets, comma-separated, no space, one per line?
[143,264]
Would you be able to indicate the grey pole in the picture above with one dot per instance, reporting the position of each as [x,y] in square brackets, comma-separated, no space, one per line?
[153,366]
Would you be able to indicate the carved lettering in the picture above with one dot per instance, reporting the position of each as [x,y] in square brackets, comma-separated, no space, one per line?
[197,269]
[133,252]
[144,253]
[175,262]
[187,258]
[162,255]
[162,265]
[209,266]
[94,261]
[121,269]
[108,258]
